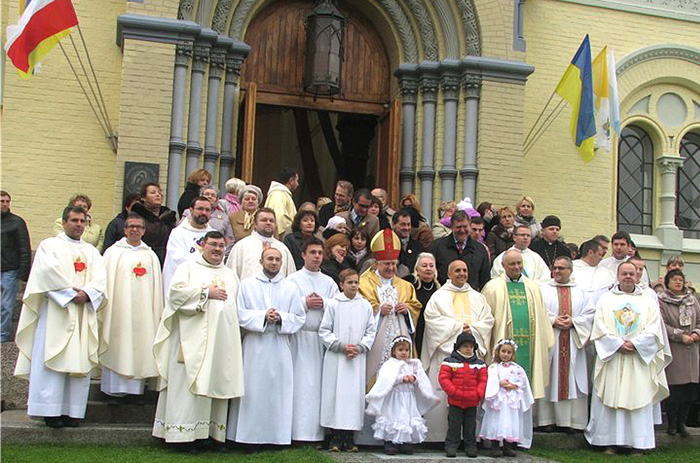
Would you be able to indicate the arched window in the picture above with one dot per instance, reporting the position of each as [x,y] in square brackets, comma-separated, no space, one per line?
[688,201]
[635,178]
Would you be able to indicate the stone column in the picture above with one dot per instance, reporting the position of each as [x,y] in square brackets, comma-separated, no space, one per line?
[217,63]
[233,72]
[668,165]
[183,52]
[450,93]
[470,171]
[429,87]
[200,60]
[408,84]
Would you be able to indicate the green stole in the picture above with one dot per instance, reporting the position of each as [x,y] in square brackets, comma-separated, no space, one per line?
[520,316]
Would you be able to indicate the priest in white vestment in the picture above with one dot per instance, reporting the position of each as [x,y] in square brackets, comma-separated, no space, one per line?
[245,255]
[588,274]
[184,242]
[534,267]
[129,321]
[629,373]
[270,311]
[622,250]
[198,348]
[454,309]
[316,291]
[571,312]
[57,334]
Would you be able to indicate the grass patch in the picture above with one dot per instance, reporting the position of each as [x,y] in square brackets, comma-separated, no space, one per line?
[675,454]
[17,453]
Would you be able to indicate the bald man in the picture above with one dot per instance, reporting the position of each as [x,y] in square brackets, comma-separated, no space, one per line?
[454,309]
[519,313]
[270,311]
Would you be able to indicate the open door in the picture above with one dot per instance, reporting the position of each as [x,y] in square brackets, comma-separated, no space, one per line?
[389,152]
[248,140]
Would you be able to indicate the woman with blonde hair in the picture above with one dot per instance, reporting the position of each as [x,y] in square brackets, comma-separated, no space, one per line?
[442,228]
[501,237]
[233,188]
[424,279]
[525,215]
[197,180]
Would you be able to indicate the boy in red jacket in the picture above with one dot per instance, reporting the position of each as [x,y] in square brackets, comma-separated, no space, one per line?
[463,378]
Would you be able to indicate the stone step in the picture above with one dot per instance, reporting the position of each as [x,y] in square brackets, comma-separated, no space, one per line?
[107,413]
[18,428]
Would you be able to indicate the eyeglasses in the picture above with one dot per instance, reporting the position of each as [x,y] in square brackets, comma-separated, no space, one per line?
[363,206]
[135,227]
[560,269]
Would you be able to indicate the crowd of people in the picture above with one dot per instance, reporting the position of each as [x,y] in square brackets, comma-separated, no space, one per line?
[348,322]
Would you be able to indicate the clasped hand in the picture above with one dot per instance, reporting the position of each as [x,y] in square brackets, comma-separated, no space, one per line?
[507,385]
[217,293]
[351,351]
[81,297]
[400,308]
[627,347]
[272,316]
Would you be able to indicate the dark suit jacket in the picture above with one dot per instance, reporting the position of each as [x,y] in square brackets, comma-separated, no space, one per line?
[369,223]
[474,255]
[409,255]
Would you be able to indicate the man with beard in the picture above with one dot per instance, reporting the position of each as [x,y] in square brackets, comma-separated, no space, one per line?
[245,255]
[198,348]
[184,240]
[270,311]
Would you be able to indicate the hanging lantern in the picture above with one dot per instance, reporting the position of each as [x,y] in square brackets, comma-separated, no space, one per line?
[325,28]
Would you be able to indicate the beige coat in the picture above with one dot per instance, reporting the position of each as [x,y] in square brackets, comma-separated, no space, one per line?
[685,367]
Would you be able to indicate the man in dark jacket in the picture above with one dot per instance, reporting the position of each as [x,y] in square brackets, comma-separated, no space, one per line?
[16,260]
[342,196]
[115,229]
[459,245]
[463,377]
[410,248]
[548,245]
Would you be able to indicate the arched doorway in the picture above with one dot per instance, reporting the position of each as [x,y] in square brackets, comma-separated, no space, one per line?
[353,136]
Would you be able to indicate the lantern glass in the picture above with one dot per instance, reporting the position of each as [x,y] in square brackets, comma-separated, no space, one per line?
[325,28]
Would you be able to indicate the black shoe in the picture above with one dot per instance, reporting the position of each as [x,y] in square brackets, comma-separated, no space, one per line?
[406,449]
[69,422]
[54,421]
[390,448]
[682,430]
[335,444]
[509,449]
[471,452]
[450,453]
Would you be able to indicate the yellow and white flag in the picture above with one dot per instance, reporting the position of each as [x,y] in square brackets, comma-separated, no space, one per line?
[607,112]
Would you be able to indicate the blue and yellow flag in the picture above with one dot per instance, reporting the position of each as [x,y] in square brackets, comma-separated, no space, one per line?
[576,87]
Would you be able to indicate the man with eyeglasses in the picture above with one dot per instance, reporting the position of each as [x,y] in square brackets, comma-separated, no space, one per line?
[184,242]
[571,312]
[534,266]
[357,216]
[134,305]
[198,349]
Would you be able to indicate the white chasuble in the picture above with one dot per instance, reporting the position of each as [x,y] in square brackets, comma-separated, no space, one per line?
[57,338]
[183,245]
[264,414]
[246,254]
[445,315]
[345,321]
[130,319]
[307,356]
[198,353]
[626,385]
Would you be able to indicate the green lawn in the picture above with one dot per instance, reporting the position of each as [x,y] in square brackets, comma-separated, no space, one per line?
[679,454]
[15,453]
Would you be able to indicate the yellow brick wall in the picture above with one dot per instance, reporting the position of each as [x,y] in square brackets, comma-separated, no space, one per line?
[52,144]
[553,173]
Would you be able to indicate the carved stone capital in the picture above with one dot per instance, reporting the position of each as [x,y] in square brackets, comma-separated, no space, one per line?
[450,87]
[472,85]
[217,63]
[409,90]
[183,53]
[428,88]
[669,164]
[200,57]
[234,63]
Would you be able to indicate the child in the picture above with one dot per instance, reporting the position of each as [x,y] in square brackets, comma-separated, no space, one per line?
[347,331]
[508,404]
[399,398]
[463,378]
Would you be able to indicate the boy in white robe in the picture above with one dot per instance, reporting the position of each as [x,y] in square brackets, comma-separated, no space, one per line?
[571,312]
[57,334]
[316,291]
[184,242]
[347,330]
[629,373]
[132,314]
[198,349]
[270,311]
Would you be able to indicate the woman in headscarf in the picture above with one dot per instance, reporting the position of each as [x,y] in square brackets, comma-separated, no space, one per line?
[251,198]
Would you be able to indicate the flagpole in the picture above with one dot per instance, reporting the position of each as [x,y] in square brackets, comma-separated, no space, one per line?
[545,125]
[87,97]
[539,117]
[97,82]
[92,90]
